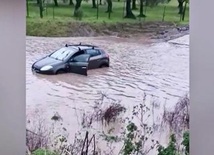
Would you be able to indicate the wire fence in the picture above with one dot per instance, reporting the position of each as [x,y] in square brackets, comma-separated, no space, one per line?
[48,9]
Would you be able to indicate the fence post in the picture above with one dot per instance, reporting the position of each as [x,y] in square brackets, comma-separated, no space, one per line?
[144,19]
[184,11]
[97,9]
[164,11]
[46,8]
[53,12]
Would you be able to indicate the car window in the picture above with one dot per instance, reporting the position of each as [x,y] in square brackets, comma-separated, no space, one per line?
[81,58]
[78,53]
[93,52]
[61,54]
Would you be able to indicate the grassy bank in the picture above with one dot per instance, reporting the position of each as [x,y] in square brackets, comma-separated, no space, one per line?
[59,21]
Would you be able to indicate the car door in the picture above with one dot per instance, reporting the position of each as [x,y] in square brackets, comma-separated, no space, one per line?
[94,59]
[79,64]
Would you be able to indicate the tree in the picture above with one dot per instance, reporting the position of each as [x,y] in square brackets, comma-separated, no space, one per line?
[56,2]
[184,9]
[109,7]
[71,2]
[129,13]
[134,7]
[180,6]
[41,8]
[78,4]
[142,9]
[94,4]
[77,7]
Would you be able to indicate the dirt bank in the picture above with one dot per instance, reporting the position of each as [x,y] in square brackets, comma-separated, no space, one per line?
[151,30]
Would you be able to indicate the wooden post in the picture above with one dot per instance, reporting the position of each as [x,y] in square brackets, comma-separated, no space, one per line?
[53,12]
[184,11]
[97,9]
[164,11]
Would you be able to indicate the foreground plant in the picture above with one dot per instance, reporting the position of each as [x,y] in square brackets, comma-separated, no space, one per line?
[185,142]
[170,149]
[134,137]
[138,137]
[178,119]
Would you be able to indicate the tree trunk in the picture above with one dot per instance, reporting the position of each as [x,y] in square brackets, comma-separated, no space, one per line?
[40,8]
[78,4]
[100,2]
[71,2]
[94,4]
[109,8]
[129,13]
[38,1]
[134,7]
[141,9]
[56,2]
[180,6]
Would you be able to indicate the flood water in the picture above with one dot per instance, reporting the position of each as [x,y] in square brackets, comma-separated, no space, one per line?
[159,69]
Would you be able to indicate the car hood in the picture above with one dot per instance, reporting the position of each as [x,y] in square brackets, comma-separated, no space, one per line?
[46,61]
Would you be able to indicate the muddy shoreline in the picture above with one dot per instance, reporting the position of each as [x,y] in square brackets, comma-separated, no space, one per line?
[152,31]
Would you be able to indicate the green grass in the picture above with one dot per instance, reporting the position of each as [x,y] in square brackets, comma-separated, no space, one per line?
[59,18]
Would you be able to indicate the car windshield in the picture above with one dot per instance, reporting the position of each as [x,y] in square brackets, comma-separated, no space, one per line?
[61,54]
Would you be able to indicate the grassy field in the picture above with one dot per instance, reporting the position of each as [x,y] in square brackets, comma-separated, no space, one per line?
[62,16]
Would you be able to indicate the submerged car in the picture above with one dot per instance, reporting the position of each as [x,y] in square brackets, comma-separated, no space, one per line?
[74,59]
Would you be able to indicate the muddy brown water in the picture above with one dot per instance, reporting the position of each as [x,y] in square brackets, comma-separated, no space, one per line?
[137,67]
